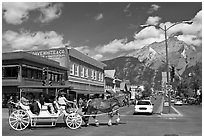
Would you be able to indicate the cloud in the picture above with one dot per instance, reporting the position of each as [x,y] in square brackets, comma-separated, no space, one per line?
[83,49]
[50,13]
[153,20]
[31,41]
[113,47]
[190,39]
[98,16]
[90,52]
[18,12]
[145,33]
[97,56]
[191,34]
[153,8]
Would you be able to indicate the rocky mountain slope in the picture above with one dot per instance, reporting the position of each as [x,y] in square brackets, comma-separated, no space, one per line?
[147,63]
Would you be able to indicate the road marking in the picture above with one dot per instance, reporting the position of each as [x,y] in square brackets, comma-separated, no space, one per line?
[171,118]
[180,114]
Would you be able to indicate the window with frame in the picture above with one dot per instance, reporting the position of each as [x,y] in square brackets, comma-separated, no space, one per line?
[82,71]
[86,73]
[92,74]
[99,76]
[76,70]
[10,72]
[95,75]
[102,77]
[72,70]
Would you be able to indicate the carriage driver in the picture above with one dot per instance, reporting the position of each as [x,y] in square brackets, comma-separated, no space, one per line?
[62,101]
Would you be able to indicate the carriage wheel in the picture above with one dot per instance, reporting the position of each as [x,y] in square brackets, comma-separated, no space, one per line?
[73,120]
[19,120]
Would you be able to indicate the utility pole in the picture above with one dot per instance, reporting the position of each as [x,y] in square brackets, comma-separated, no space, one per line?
[167,60]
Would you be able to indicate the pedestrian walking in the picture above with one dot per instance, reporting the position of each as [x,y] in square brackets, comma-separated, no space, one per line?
[10,105]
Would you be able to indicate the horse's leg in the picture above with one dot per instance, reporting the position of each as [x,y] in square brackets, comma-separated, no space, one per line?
[110,115]
[86,118]
[118,119]
[96,121]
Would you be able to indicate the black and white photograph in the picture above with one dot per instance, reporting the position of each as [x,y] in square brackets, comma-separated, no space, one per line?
[101,68]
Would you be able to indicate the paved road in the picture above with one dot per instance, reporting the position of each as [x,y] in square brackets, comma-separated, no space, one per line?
[190,124]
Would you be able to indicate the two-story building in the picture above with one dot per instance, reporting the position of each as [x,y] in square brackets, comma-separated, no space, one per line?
[22,68]
[85,74]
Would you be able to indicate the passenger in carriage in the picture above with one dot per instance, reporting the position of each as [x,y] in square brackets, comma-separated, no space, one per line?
[47,100]
[34,106]
[24,99]
[80,102]
[41,99]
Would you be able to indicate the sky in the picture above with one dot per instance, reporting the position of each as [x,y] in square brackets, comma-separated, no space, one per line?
[102,30]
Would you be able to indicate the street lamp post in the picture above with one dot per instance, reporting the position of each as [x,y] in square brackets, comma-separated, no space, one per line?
[165,29]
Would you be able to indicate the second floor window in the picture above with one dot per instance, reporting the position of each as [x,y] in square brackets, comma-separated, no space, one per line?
[95,75]
[76,70]
[92,74]
[82,71]
[102,77]
[10,72]
[99,76]
[72,70]
[86,73]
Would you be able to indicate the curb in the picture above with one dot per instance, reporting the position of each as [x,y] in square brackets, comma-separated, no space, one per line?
[172,115]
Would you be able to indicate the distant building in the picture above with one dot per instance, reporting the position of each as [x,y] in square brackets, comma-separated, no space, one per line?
[112,84]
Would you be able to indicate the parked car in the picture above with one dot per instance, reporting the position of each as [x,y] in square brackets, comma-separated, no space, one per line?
[178,102]
[172,100]
[191,100]
[143,106]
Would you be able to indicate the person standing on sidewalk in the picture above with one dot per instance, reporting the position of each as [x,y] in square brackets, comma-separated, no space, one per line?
[10,105]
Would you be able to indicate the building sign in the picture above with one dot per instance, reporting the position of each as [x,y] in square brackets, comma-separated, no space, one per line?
[52,53]
[58,55]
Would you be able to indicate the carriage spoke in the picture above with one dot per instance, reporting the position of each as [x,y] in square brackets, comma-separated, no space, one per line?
[70,123]
[17,125]
[25,118]
[78,123]
[13,121]
[20,124]
[25,121]
[74,124]
[12,117]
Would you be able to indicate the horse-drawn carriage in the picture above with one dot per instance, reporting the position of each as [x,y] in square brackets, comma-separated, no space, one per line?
[21,118]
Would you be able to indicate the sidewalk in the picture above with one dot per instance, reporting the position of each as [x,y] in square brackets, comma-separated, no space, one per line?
[5,113]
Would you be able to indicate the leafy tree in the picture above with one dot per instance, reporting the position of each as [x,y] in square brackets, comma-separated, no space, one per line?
[147,89]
